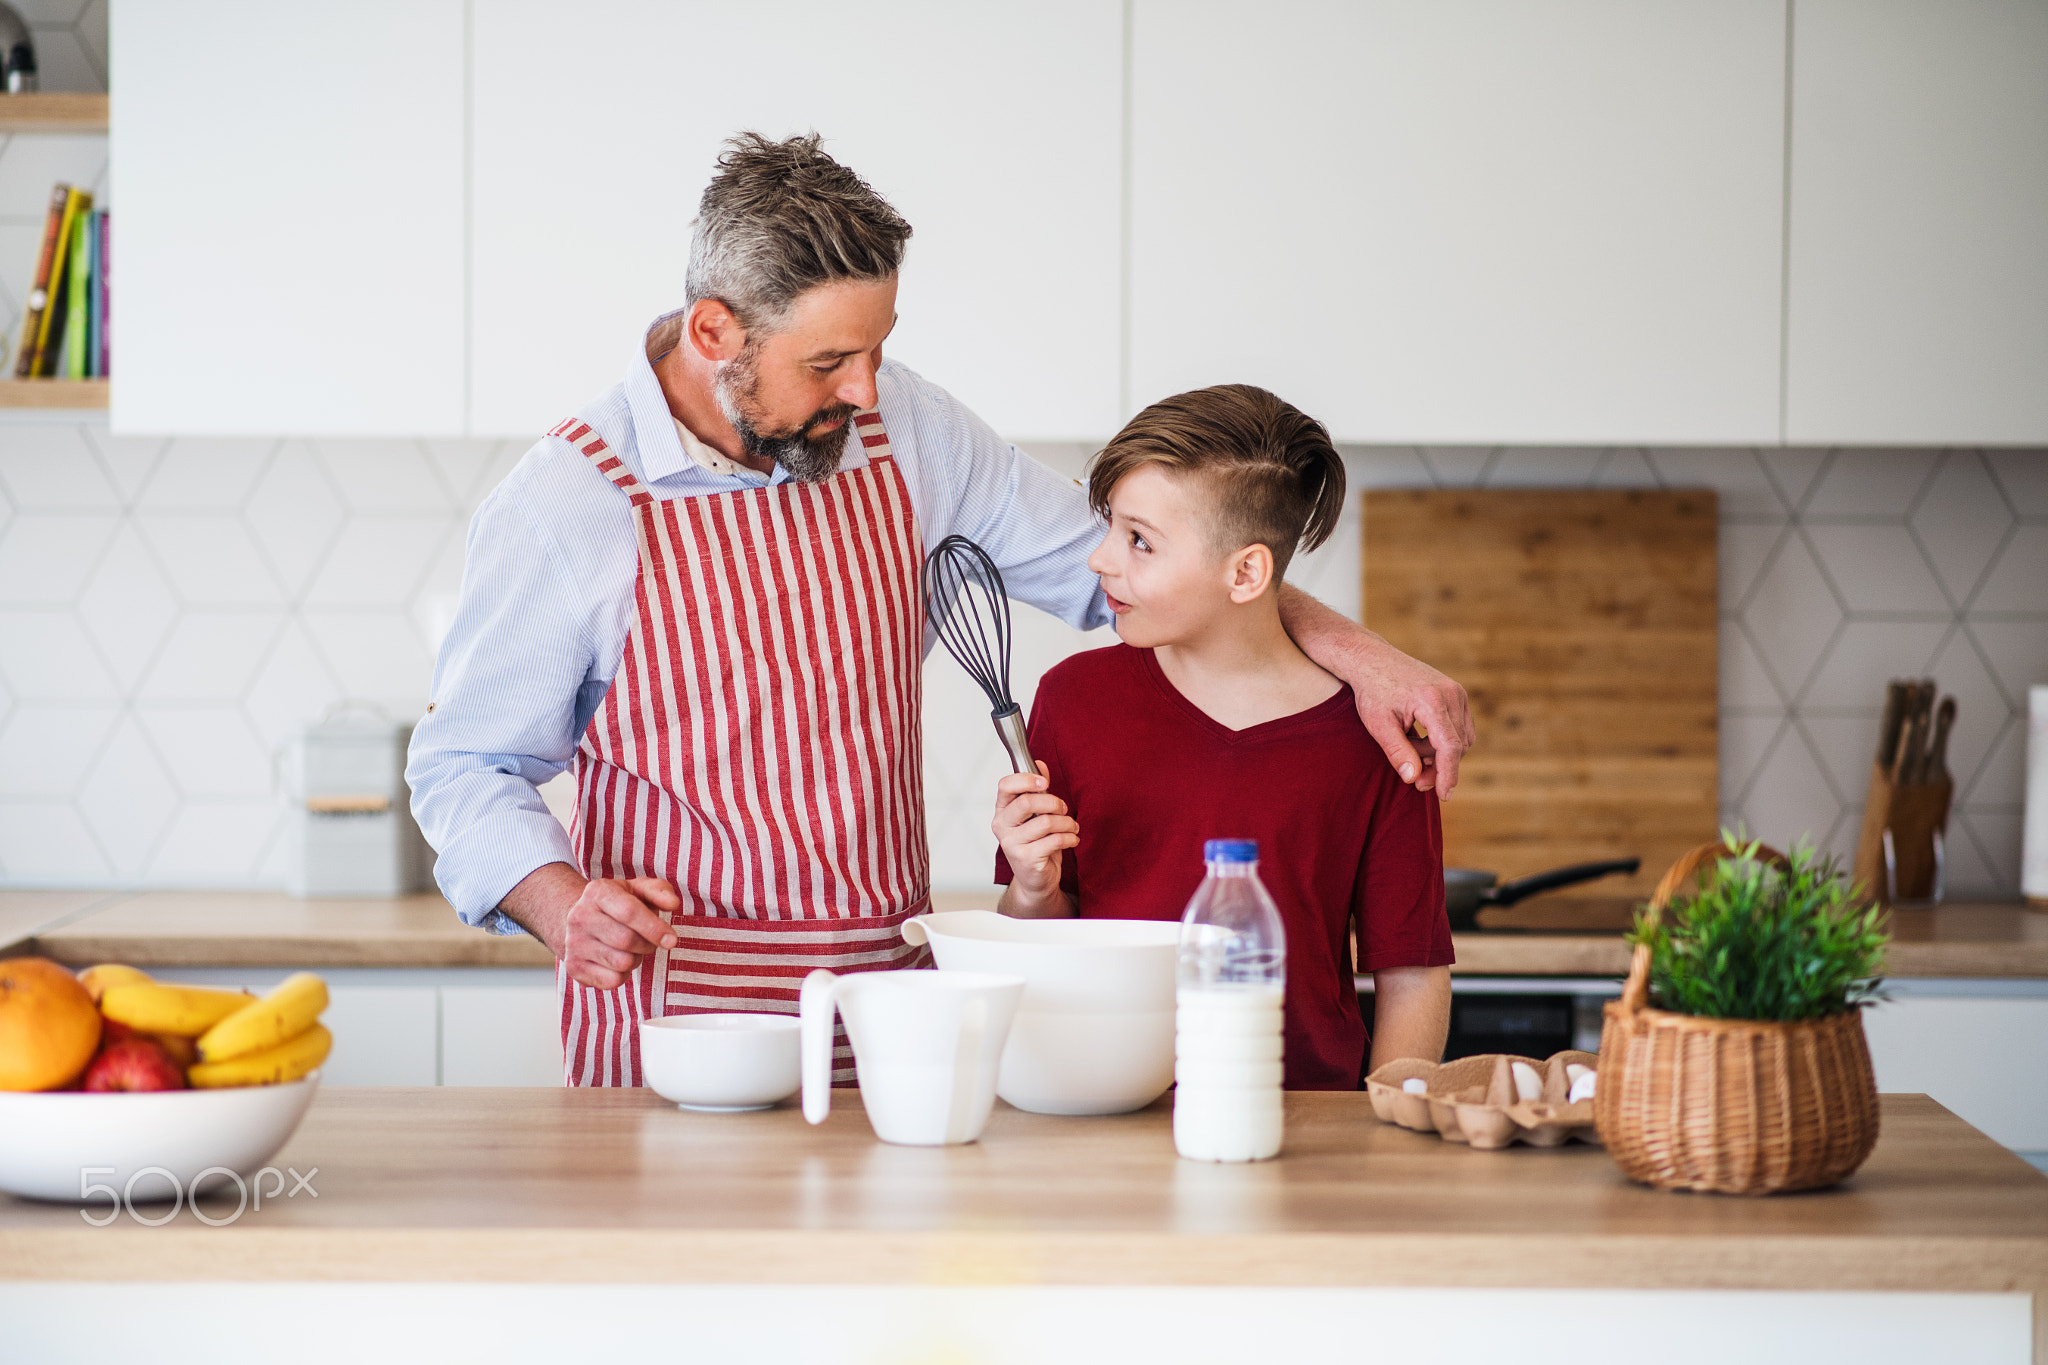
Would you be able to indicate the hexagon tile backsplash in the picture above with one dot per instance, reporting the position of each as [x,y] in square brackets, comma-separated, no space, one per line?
[171,610]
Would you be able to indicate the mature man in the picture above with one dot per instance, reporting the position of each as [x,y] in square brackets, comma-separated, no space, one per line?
[701,591]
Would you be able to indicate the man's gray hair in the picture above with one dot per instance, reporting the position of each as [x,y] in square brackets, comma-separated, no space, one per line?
[781,218]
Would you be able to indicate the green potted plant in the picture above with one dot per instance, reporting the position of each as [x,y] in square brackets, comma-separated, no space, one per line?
[1735,1059]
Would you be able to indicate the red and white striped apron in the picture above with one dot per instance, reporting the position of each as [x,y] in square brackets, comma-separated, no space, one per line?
[759,747]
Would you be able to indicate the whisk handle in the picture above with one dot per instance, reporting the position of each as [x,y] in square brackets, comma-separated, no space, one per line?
[1010,727]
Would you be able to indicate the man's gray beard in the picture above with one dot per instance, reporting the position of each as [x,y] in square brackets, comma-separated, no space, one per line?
[807,460]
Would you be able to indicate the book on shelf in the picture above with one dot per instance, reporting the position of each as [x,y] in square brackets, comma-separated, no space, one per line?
[77,300]
[50,334]
[89,363]
[39,287]
[64,332]
[99,352]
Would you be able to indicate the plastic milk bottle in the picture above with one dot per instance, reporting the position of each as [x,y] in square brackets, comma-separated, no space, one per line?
[1227,1037]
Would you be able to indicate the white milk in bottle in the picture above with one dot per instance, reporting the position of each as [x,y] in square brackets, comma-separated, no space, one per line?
[1227,1039]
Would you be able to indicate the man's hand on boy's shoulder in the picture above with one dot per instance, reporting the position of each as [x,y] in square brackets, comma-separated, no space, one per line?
[1420,717]
[1401,700]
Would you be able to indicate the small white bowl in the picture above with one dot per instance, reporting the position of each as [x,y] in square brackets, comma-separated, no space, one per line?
[721,1063]
[55,1143]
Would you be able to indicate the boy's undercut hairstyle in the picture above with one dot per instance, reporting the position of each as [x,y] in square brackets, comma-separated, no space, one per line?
[781,218]
[1274,477]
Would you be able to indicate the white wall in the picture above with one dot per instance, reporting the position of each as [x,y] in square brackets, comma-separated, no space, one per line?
[70,37]
[171,609]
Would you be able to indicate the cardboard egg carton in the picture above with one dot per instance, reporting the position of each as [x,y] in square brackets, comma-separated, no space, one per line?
[1473,1100]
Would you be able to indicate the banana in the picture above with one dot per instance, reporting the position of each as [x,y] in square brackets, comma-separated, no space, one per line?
[152,1007]
[287,1061]
[278,1017]
[97,979]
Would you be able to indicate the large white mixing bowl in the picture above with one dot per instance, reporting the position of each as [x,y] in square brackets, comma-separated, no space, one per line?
[1094,1031]
[54,1144]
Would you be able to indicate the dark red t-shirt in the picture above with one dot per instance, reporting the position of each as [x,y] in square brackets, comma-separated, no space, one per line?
[1149,776]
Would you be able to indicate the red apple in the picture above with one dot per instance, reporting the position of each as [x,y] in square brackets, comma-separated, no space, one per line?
[134,1063]
[182,1051]
[112,1032]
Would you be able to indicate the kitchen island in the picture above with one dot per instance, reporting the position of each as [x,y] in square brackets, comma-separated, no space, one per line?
[543,1209]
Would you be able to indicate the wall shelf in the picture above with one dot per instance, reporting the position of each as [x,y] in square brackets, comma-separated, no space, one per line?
[53,112]
[53,393]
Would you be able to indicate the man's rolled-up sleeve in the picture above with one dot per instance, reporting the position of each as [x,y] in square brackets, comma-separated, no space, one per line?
[511,692]
[1034,523]
[1041,538]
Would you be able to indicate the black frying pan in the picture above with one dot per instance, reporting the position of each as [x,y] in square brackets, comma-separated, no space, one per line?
[1468,891]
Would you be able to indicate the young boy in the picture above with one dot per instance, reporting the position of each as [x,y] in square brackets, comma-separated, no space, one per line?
[1207,722]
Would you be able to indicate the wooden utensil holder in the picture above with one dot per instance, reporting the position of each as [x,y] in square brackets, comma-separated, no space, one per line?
[1917,816]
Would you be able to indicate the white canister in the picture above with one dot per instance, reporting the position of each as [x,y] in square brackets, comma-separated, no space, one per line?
[2034,842]
[354,829]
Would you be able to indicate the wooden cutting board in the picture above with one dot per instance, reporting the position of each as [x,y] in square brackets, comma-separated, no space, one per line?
[1583,625]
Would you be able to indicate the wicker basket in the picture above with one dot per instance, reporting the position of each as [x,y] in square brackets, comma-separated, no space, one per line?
[1734,1106]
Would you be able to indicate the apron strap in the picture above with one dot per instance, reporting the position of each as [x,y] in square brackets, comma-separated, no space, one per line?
[579,434]
[874,437]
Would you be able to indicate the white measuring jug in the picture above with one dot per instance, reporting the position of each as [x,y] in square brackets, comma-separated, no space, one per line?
[928,1045]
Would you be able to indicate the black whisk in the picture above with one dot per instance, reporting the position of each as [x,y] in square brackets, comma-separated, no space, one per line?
[963,596]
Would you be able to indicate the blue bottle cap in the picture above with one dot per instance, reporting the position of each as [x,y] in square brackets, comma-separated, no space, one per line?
[1230,851]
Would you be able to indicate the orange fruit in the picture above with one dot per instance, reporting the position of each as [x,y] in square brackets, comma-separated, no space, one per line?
[49,1028]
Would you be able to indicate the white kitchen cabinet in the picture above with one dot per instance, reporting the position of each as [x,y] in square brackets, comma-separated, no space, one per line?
[1917,310]
[1980,1048]
[383,1035]
[1473,221]
[501,1033]
[993,129]
[425,1025]
[289,244]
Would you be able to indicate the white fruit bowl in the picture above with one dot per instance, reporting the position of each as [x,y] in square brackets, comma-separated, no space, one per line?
[55,1143]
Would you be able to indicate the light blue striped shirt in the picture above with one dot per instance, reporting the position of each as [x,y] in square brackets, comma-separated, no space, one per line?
[548,595]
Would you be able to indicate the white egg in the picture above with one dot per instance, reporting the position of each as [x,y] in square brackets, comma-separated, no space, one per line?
[1582,1087]
[1528,1085]
[1415,1085]
[1573,1070]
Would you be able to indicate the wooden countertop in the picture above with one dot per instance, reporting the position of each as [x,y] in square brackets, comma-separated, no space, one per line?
[270,929]
[23,913]
[1583,938]
[550,1185]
